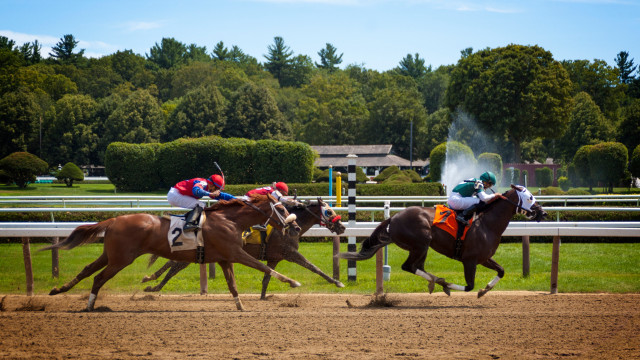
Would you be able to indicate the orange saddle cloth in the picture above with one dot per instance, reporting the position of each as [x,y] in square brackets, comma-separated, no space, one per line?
[445,219]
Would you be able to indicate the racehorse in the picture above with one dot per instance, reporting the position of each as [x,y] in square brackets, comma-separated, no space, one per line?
[279,247]
[412,230]
[126,237]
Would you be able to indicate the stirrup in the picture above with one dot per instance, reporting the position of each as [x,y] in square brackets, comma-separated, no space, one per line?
[259,227]
[189,227]
[462,220]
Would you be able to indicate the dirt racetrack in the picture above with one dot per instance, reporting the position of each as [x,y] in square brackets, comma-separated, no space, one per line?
[501,325]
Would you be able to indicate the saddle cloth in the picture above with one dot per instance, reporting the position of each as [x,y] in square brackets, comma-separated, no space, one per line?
[178,239]
[445,219]
[252,236]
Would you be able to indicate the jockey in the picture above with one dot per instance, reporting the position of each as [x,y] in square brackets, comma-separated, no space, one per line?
[470,196]
[278,190]
[186,193]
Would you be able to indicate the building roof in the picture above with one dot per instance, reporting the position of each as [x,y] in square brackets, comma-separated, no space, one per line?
[344,150]
[368,155]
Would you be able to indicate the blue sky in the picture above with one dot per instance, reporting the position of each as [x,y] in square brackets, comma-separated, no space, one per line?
[373,33]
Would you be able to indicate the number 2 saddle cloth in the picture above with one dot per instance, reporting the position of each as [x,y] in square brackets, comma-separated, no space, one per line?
[445,219]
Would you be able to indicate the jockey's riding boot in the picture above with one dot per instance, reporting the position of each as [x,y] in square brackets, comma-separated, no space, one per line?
[465,215]
[191,219]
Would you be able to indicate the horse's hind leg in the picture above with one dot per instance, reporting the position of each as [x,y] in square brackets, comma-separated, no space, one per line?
[245,259]
[295,257]
[267,278]
[98,264]
[229,275]
[492,264]
[158,273]
[415,265]
[175,268]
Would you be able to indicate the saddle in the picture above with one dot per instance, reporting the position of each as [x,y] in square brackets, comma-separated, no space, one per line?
[445,219]
[259,237]
[180,241]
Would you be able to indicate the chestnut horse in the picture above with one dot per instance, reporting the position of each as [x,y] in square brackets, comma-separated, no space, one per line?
[126,237]
[279,247]
[412,230]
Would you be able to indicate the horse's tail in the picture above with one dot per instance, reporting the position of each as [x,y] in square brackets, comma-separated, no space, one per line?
[83,234]
[379,238]
[152,260]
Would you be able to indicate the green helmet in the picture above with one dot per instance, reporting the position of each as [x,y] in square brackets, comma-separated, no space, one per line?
[488,177]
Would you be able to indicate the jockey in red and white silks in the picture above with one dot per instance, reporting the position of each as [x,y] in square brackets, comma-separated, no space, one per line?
[186,193]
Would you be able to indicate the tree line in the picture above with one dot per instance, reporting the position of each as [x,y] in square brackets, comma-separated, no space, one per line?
[530,106]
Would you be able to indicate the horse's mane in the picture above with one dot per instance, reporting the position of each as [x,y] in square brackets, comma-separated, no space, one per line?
[221,204]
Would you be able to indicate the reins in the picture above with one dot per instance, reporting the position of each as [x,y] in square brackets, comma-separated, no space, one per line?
[518,205]
[269,216]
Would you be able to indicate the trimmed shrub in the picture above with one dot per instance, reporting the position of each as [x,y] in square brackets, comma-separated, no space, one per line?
[578,192]
[22,168]
[491,162]
[399,178]
[564,183]
[69,173]
[608,162]
[634,162]
[544,177]
[552,190]
[386,173]
[458,152]
[133,167]
[413,175]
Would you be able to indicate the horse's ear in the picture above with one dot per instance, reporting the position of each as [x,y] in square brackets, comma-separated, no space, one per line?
[513,186]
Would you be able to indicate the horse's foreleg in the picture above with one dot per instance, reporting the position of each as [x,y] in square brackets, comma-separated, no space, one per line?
[245,259]
[295,257]
[267,278]
[229,275]
[175,267]
[469,276]
[98,264]
[158,273]
[415,265]
[492,264]
[99,280]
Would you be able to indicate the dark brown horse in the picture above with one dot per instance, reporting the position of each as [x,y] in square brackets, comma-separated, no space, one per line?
[128,236]
[412,230]
[279,247]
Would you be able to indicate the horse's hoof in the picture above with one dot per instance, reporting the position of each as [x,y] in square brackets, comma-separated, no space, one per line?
[295,284]
[54,291]
[146,278]
[432,286]
[446,290]
[339,284]
[482,292]
[150,289]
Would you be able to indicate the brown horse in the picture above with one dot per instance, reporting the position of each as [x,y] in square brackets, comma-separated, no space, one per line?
[128,236]
[412,230]
[279,247]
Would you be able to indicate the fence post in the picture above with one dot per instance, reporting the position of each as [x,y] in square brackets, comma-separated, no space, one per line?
[555,259]
[203,279]
[386,269]
[28,269]
[336,239]
[55,260]
[351,247]
[525,256]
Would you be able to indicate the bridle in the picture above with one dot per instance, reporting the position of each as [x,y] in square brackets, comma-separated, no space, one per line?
[280,220]
[323,218]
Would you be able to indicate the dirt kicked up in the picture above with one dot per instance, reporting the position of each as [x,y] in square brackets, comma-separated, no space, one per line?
[501,325]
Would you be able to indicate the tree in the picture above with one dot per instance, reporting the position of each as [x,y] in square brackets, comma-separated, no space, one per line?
[197,53]
[220,52]
[608,162]
[7,44]
[516,91]
[625,67]
[201,112]
[582,167]
[433,86]
[131,67]
[63,51]
[629,129]
[278,59]
[298,73]
[329,60]
[170,53]
[434,132]
[19,114]
[331,112]
[31,52]
[587,126]
[634,162]
[139,119]
[413,67]
[69,173]
[22,167]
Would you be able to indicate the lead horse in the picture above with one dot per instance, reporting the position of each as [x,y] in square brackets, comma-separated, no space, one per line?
[126,237]
[279,247]
[412,230]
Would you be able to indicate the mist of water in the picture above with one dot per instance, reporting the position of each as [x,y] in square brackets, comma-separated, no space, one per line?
[457,168]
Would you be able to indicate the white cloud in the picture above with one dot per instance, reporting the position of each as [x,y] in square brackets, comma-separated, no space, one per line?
[21,38]
[93,49]
[142,25]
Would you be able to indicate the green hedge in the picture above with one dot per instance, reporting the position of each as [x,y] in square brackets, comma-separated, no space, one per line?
[146,167]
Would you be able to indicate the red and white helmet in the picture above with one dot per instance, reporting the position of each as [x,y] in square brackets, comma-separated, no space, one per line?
[282,187]
[217,180]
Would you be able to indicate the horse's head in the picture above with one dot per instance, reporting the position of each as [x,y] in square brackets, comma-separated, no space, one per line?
[277,214]
[329,218]
[526,203]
